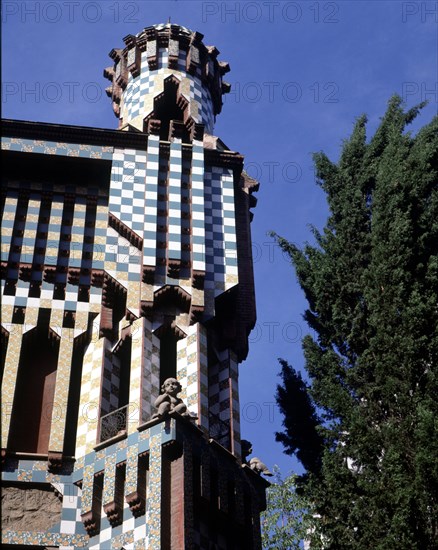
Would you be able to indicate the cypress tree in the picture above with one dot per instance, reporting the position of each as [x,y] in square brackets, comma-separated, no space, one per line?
[371,282]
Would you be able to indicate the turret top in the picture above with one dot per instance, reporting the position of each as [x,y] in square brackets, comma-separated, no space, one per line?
[166,73]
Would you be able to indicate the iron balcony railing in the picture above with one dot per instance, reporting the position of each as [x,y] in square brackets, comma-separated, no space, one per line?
[220,430]
[113,423]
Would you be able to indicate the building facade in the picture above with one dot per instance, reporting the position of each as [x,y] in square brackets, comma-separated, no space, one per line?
[126,262]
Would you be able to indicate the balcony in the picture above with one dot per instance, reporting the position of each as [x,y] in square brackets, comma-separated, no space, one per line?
[113,423]
[220,430]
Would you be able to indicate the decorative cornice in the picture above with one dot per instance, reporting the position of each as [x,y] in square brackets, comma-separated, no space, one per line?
[90,522]
[104,137]
[67,133]
[136,503]
[54,461]
[25,271]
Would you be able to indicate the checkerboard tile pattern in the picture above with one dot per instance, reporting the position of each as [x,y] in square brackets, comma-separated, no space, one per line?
[71,522]
[119,253]
[135,383]
[215,257]
[151,202]
[56,148]
[111,380]
[229,225]
[123,262]
[140,532]
[191,372]
[31,224]
[220,230]
[203,376]
[77,235]
[53,230]
[186,366]
[224,395]
[151,372]
[198,207]
[53,234]
[9,216]
[235,405]
[174,202]
[138,97]
[89,404]
[133,199]
[33,305]
[213,388]
[127,193]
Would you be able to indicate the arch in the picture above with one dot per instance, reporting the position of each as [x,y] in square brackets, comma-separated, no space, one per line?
[169,334]
[171,106]
[34,392]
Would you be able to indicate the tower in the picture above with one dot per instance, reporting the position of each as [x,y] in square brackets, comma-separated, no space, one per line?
[126,261]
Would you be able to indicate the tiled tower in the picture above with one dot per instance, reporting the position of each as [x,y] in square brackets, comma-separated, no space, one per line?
[125,261]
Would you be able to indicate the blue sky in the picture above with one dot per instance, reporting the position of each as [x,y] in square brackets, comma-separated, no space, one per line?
[301,73]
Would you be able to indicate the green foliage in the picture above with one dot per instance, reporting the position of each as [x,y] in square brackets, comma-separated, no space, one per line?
[288,518]
[372,287]
[300,420]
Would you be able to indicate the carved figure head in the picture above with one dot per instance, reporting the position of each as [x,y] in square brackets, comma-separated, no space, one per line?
[171,386]
[246,448]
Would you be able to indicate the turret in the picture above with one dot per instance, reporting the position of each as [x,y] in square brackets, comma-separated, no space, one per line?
[166,76]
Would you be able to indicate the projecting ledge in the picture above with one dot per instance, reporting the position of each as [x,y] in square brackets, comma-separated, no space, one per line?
[149,424]
[111,441]
[216,445]
[167,419]
[260,485]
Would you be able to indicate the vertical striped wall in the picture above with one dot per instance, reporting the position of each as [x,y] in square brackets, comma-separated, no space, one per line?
[155,200]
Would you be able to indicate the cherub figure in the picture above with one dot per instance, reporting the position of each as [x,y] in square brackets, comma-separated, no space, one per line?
[258,466]
[254,463]
[168,400]
[246,450]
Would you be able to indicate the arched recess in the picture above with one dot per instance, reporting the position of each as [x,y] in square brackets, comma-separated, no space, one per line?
[123,351]
[74,391]
[34,392]
[171,105]
[167,356]
[169,334]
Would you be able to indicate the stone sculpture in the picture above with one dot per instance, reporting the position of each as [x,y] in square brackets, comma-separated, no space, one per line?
[254,463]
[168,401]
[258,466]
[246,450]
